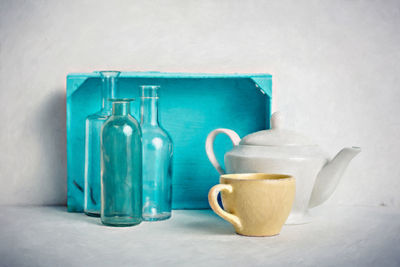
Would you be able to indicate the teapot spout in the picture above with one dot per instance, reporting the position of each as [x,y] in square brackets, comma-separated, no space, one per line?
[329,177]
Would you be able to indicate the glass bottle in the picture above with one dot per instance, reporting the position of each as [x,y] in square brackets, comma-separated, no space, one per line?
[121,167]
[157,159]
[92,144]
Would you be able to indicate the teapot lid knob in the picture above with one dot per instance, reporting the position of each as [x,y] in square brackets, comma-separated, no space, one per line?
[276,120]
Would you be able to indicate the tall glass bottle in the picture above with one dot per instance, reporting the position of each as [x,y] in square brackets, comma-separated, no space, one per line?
[121,167]
[157,160]
[94,123]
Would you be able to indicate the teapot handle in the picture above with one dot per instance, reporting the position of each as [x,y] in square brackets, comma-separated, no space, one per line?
[210,145]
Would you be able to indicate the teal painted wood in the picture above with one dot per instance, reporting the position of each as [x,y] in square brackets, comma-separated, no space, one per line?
[191,105]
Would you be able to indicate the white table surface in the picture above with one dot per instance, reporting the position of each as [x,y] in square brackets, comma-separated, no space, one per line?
[338,236]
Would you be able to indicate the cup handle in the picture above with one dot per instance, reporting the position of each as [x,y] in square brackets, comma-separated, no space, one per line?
[212,199]
[210,145]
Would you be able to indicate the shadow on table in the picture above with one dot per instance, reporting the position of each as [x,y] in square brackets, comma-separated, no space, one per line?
[90,219]
[49,128]
[210,228]
[208,224]
[205,222]
[79,216]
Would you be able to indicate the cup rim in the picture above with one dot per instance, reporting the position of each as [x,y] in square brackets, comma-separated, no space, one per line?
[257,177]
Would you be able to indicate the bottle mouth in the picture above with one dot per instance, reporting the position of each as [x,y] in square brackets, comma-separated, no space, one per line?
[121,100]
[149,91]
[109,73]
[149,86]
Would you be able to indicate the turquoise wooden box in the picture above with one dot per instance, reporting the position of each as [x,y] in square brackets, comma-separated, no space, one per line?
[191,105]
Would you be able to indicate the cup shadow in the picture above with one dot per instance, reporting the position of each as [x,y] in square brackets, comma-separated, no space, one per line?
[210,228]
[207,223]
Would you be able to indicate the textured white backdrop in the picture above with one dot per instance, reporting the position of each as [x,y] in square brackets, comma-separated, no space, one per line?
[335,67]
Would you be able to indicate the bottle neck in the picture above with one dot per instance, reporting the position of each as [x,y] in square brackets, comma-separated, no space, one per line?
[109,81]
[107,93]
[120,108]
[149,111]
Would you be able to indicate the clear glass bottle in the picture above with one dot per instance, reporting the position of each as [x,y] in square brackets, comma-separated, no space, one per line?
[121,167]
[157,160]
[94,123]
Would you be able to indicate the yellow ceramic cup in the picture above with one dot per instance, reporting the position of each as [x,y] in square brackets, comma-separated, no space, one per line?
[257,204]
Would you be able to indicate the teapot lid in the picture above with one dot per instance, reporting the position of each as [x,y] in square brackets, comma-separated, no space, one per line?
[276,136]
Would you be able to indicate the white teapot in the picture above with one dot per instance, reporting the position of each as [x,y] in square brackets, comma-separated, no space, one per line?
[285,152]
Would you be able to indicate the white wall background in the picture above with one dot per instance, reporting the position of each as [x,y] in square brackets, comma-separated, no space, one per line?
[335,67]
